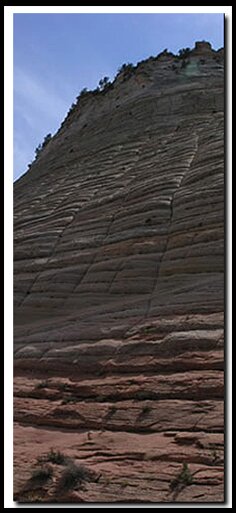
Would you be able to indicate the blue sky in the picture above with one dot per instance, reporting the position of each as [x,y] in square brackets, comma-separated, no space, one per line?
[56,55]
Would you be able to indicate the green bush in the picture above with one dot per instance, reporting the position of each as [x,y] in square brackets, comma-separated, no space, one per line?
[125,67]
[184,52]
[46,140]
[104,84]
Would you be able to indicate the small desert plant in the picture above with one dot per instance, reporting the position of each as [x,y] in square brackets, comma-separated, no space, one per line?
[39,148]
[71,109]
[214,456]
[112,410]
[184,478]
[62,386]
[143,395]
[71,399]
[127,70]
[183,64]
[46,140]
[56,457]
[146,409]
[164,53]
[42,384]
[84,92]
[149,329]
[74,475]
[42,475]
[124,484]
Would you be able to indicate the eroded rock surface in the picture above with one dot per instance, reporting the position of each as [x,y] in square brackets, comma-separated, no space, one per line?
[119,278]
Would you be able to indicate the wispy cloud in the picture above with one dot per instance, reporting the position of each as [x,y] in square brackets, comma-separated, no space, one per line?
[38,110]
[37,94]
[22,154]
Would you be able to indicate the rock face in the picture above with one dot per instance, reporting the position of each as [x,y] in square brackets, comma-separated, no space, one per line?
[119,290]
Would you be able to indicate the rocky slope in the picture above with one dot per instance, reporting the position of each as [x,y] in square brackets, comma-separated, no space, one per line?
[118,290]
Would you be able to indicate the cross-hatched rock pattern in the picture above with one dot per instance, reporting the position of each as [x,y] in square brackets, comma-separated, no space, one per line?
[119,285]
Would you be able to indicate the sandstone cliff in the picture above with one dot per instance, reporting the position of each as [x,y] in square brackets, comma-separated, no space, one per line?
[118,289]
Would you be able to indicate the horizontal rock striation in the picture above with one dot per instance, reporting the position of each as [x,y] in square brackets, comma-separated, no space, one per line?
[119,288]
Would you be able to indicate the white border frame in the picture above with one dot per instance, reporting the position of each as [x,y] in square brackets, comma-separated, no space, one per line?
[8,227]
